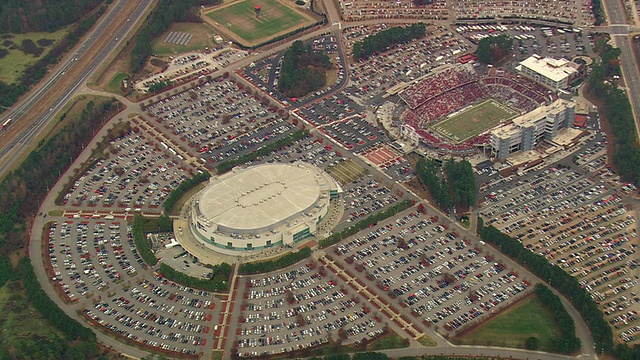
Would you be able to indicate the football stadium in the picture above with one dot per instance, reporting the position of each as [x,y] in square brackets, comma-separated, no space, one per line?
[455,109]
[262,206]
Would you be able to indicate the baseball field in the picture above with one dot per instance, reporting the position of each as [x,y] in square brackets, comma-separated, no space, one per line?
[238,20]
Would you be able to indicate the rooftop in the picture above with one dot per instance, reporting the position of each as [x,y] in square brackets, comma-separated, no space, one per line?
[554,69]
[263,196]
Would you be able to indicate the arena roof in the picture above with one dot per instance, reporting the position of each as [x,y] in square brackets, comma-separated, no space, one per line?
[262,196]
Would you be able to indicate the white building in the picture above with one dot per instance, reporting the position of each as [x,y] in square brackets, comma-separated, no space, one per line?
[552,73]
[262,206]
[528,130]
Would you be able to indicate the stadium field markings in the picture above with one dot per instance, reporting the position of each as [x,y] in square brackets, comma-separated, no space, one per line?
[475,120]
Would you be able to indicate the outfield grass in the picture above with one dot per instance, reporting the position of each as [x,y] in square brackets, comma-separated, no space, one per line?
[13,64]
[474,121]
[275,18]
[514,326]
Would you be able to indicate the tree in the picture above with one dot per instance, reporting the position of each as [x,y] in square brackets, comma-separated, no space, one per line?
[493,49]
[532,343]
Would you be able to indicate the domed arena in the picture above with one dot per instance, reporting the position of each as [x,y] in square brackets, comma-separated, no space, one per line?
[262,206]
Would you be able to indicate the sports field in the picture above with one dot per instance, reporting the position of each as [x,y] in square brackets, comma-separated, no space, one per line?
[238,19]
[474,121]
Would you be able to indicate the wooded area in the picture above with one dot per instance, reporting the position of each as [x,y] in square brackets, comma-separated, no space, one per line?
[457,188]
[303,70]
[165,13]
[493,49]
[22,16]
[616,108]
[382,40]
[22,190]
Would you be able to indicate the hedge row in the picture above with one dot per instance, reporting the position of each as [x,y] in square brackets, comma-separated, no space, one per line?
[219,279]
[140,239]
[271,265]
[559,279]
[185,186]
[567,342]
[225,166]
[364,223]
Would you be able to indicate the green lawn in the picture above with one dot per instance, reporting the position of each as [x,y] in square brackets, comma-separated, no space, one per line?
[474,120]
[201,38]
[514,326]
[15,61]
[389,341]
[116,82]
[240,19]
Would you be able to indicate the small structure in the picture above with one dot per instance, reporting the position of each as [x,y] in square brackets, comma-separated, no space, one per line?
[257,9]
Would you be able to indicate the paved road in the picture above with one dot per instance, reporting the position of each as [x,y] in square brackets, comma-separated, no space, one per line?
[616,14]
[19,144]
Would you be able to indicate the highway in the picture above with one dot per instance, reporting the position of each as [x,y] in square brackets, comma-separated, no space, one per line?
[620,34]
[15,147]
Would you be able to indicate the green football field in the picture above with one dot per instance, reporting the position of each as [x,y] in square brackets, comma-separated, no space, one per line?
[474,121]
[275,18]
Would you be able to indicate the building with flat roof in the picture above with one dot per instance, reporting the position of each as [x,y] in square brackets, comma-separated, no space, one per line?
[262,206]
[552,73]
[527,131]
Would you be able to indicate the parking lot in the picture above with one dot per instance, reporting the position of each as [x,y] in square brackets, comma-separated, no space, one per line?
[97,261]
[428,271]
[138,173]
[300,308]
[579,218]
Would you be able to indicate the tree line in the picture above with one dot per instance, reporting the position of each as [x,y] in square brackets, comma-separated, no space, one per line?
[140,239]
[556,277]
[48,309]
[219,281]
[567,343]
[493,49]
[9,93]
[365,223]
[303,70]
[457,188]
[226,166]
[22,190]
[183,188]
[384,39]
[23,16]
[165,13]
[288,259]
[617,109]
